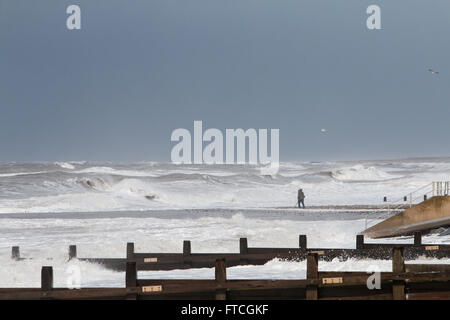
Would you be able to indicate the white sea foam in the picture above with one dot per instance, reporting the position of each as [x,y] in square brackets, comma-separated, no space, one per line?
[65,165]
[46,241]
[142,186]
[362,173]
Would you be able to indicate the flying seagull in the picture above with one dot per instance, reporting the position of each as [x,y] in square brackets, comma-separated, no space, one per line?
[323,130]
[433,71]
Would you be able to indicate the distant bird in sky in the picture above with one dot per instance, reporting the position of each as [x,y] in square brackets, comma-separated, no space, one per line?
[433,71]
[323,130]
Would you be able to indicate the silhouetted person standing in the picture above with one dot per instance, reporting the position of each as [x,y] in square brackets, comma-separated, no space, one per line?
[301,198]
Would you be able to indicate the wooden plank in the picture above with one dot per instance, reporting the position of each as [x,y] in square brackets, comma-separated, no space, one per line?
[440,295]
[427,267]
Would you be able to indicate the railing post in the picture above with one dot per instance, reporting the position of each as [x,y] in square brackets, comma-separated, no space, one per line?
[410,200]
[302,242]
[47,279]
[221,279]
[312,273]
[130,250]
[15,253]
[72,252]
[398,266]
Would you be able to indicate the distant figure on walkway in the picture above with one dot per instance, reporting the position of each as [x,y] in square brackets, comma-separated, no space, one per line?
[301,198]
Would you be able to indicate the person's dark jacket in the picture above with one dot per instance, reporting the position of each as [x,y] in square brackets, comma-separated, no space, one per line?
[301,195]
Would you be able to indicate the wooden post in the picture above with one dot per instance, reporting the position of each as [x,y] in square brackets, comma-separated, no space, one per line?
[221,271]
[398,266]
[72,252]
[131,275]
[417,238]
[243,249]
[47,278]
[398,261]
[186,247]
[359,241]
[243,246]
[302,242]
[130,250]
[312,273]
[187,253]
[221,278]
[15,253]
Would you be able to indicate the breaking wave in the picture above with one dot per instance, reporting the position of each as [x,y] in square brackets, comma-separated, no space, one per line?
[88,187]
[361,173]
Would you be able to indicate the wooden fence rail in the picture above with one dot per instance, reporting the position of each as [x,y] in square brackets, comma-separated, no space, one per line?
[406,281]
[258,255]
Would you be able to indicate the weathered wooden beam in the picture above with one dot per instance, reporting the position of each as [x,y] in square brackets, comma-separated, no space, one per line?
[312,273]
[221,271]
[398,266]
[221,279]
[398,260]
[131,280]
[418,268]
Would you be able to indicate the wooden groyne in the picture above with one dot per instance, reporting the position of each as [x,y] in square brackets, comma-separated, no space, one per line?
[258,255]
[406,281]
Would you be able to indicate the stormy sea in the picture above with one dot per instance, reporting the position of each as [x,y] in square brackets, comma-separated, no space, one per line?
[45,207]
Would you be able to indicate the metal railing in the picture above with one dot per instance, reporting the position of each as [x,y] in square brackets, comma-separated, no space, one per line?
[436,188]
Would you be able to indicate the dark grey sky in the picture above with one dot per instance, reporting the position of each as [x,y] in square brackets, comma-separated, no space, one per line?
[139,69]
